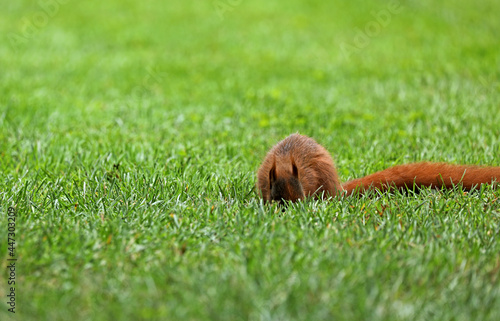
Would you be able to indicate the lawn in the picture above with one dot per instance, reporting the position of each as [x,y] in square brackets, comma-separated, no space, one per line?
[131,132]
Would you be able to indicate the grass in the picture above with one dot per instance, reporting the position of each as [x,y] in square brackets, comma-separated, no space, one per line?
[130,134]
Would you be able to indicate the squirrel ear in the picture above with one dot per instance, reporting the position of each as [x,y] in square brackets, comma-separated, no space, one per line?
[272,174]
[295,170]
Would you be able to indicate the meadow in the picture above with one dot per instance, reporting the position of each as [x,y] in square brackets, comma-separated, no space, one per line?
[131,132]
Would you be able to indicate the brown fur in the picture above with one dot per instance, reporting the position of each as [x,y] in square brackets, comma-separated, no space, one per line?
[299,167]
[295,168]
[437,175]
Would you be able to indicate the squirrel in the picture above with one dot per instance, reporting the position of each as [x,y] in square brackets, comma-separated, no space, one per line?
[298,167]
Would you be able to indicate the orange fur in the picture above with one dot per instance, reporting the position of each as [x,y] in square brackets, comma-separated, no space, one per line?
[295,168]
[437,175]
[299,167]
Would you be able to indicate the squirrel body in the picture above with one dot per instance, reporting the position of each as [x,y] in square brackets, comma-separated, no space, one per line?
[295,168]
[299,167]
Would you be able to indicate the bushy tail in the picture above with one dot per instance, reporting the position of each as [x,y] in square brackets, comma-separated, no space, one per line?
[437,175]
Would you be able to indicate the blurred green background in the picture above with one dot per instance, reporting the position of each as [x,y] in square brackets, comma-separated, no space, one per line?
[120,119]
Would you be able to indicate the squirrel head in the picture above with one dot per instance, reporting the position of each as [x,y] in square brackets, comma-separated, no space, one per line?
[286,188]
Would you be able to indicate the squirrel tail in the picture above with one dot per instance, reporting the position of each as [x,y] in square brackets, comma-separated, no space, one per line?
[437,175]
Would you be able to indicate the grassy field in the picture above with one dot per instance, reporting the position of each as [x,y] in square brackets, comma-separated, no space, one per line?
[130,134]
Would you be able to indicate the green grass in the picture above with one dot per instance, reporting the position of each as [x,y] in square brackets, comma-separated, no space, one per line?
[130,134]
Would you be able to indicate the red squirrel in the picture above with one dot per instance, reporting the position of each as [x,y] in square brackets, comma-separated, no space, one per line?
[298,167]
